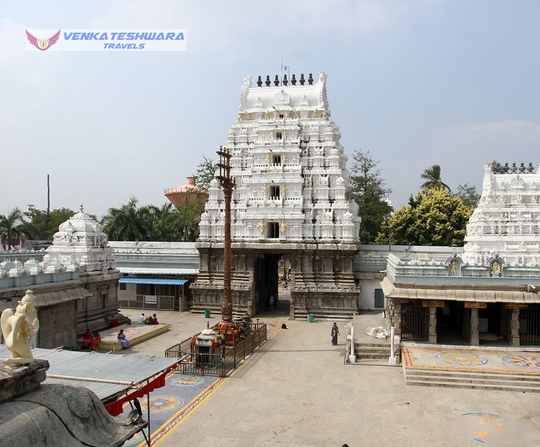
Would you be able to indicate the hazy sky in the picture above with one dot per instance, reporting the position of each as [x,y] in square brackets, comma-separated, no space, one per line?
[416,82]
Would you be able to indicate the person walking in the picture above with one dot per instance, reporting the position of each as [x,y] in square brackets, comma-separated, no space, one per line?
[335,333]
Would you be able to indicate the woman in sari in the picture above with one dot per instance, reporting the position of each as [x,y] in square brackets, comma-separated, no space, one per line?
[122,339]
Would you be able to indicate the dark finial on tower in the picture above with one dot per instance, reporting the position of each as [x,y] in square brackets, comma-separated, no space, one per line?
[302,80]
[310,79]
[285,82]
[293,80]
[259,81]
[268,82]
[530,168]
[276,81]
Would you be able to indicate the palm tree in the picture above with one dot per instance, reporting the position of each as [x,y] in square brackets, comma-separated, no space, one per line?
[163,226]
[127,223]
[10,226]
[433,177]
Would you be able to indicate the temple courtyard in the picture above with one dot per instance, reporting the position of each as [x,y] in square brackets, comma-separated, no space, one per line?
[297,391]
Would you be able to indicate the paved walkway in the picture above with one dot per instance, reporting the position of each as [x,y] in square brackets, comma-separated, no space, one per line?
[296,391]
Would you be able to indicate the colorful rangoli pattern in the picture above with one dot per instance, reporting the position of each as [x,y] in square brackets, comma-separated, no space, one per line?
[183,380]
[523,361]
[461,358]
[164,403]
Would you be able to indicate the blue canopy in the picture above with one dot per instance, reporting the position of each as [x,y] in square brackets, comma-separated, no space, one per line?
[156,281]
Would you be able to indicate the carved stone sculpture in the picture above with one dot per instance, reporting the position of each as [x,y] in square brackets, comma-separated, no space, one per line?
[18,330]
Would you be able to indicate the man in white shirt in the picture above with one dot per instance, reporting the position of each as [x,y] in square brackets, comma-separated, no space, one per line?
[141,319]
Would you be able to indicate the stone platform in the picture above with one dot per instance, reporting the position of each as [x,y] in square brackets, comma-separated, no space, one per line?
[135,333]
[499,368]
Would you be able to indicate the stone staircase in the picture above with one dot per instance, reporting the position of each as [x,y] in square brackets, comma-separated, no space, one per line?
[372,351]
[472,379]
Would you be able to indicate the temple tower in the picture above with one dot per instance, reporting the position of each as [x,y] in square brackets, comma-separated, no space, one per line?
[290,205]
[504,230]
[80,243]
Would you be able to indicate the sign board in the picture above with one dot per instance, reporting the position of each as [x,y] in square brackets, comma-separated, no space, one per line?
[432,303]
[150,299]
[475,305]
[516,306]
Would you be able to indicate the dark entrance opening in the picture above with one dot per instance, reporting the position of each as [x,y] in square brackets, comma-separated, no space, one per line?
[494,325]
[451,323]
[269,281]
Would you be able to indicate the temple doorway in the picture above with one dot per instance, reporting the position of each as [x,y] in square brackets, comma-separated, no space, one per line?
[493,324]
[272,277]
[451,323]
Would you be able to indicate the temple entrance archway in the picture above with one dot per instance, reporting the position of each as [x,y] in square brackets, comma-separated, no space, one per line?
[272,275]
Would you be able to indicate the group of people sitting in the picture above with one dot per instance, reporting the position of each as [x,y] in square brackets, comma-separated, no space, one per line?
[91,340]
[147,320]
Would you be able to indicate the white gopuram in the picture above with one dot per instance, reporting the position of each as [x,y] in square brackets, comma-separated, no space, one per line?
[504,230]
[80,244]
[290,203]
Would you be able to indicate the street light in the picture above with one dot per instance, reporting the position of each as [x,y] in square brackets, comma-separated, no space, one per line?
[227,183]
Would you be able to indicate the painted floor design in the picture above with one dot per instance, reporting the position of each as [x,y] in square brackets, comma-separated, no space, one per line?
[182,393]
[171,403]
[471,360]
[493,429]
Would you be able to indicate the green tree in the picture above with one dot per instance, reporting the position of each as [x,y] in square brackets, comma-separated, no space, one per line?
[189,216]
[11,227]
[370,193]
[163,223]
[206,171]
[468,194]
[128,223]
[432,175]
[434,217]
[36,226]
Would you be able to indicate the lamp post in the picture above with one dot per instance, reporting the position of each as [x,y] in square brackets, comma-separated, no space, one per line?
[227,184]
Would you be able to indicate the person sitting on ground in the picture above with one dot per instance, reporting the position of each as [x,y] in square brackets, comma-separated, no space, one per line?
[148,320]
[154,319]
[96,340]
[141,318]
[124,342]
[87,338]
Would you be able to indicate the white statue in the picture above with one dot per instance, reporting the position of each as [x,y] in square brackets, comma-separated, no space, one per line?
[18,330]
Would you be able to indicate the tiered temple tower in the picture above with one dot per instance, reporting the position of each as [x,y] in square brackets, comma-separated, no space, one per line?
[81,244]
[505,226]
[290,205]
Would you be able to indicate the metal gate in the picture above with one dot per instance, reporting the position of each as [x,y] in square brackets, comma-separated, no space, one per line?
[529,325]
[414,321]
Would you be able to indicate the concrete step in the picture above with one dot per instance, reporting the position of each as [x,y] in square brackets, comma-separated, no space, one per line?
[473,379]
[480,386]
[479,375]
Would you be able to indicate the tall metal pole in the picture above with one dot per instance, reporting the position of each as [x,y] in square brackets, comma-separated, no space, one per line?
[227,184]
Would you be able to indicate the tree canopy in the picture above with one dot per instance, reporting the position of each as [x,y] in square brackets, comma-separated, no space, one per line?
[370,193]
[432,175]
[206,171]
[468,194]
[11,227]
[433,217]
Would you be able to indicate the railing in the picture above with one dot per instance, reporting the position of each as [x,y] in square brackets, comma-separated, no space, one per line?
[220,363]
[163,302]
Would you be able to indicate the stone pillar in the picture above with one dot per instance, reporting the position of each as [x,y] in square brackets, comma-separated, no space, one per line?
[514,328]
[433,325]
[396,319]
[475,333]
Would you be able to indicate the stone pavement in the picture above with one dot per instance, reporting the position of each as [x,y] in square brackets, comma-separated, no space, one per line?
[296,391]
